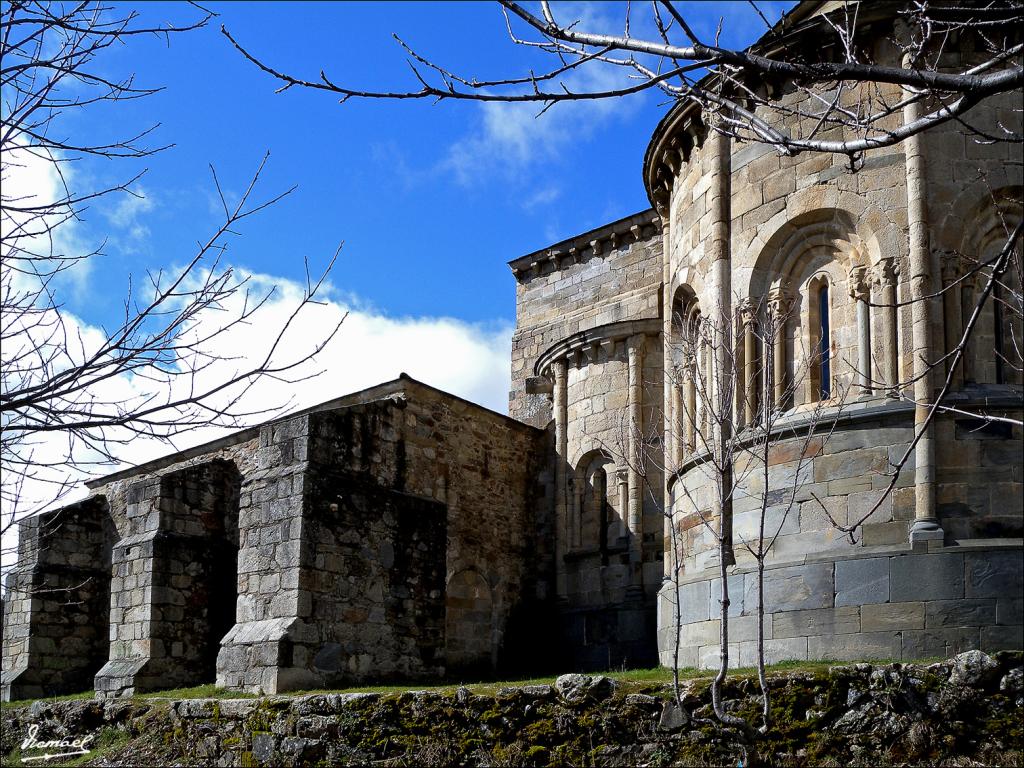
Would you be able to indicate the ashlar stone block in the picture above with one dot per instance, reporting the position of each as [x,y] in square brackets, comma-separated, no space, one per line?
[860,582]
[793,588]
[938,576]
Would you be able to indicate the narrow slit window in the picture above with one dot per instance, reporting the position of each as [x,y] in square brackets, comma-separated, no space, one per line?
[823,345]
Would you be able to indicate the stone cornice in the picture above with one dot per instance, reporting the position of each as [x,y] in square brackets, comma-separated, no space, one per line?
[592,339]
[597,242]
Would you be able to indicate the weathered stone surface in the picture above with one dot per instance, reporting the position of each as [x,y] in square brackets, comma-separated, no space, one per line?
[994,574]
[836,621]
[576,688]
[673,718]
[892,616]
[893,712]
[973,668]
[926,577]
[798,587]
[959,613]
[861,582]
[862,645]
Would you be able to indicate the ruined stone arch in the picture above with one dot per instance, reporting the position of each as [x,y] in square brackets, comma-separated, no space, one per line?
[470,631]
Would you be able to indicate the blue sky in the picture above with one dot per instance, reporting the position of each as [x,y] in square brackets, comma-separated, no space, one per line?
[430,200]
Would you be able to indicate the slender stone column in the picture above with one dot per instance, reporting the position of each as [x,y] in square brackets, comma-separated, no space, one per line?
[717,161]
[886,271]
[779,302]
[690,408]
[678,419]
[860,291]
[926,525]
[671,395]
[951,310]
[749,310]
[635,352]
[561,407]
[969,365]
[622,478]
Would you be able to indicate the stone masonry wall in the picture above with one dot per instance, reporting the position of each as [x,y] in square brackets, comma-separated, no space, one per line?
[880,603]
[484,467]
[610,275]
[57,602]
[828,597]
[965,710]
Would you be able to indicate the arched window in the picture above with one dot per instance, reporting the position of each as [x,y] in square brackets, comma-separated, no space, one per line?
[820,368]
[688,357]
[593,511]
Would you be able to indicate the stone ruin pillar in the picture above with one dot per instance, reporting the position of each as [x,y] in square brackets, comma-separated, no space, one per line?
[57,602]
[267,649]
[174,581]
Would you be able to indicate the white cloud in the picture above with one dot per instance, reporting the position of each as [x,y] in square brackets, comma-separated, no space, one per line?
[35,178]
[541,197]
[510,136]
[131,234]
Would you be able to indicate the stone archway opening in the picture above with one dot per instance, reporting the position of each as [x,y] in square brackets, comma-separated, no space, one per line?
[469,623]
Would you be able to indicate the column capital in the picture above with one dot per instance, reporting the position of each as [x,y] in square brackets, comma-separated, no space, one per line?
[950,266]
[780,300]
[559,368]
[748,309]
[886,271]
[858,285]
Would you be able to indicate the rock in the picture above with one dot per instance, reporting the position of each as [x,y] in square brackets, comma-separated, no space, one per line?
[973,668]
[576,688]
[572,687]
[195,708]
[462,695]
[304,750]
[673,718]
[641,700]
[854,696]
[539,691]
[1013,681]
[263,747]
[316,727]
[237,708]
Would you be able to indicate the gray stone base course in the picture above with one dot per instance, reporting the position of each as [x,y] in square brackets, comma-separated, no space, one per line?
[885,605]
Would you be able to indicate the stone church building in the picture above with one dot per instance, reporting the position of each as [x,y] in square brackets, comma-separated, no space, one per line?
[404,533]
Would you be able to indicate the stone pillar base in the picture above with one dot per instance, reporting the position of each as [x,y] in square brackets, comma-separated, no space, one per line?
[19,684]
[126,677]
[269,656]
[924,531]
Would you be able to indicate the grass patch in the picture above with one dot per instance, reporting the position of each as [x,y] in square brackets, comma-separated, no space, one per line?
[66,697]
[656,676]
[208,691]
